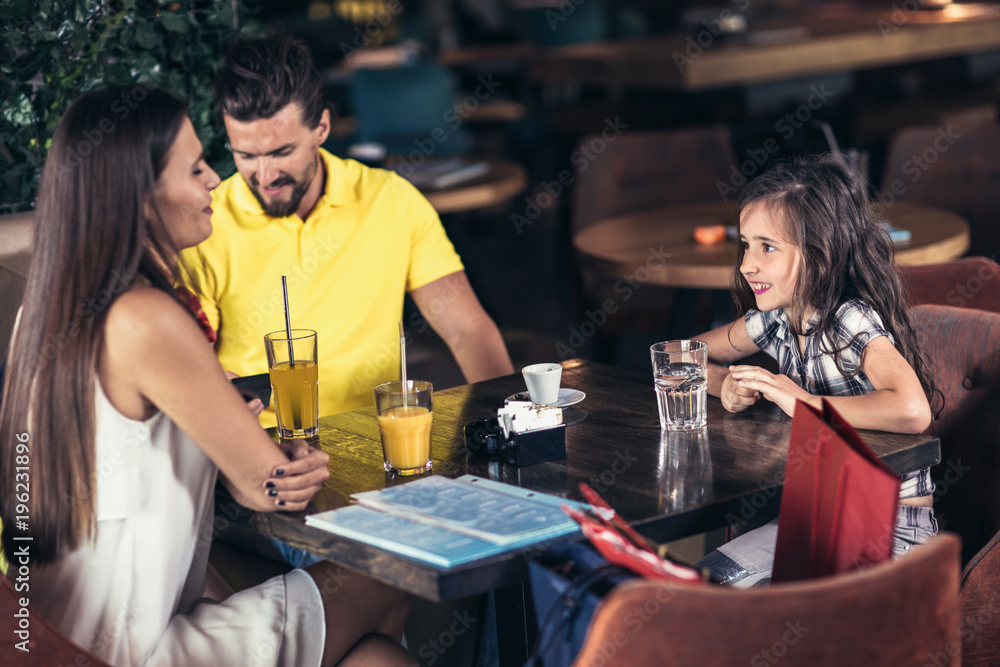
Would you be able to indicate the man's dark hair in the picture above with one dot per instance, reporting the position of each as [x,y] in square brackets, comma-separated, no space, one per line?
[263,74]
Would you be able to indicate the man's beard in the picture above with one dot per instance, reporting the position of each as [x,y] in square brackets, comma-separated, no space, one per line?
[281,209]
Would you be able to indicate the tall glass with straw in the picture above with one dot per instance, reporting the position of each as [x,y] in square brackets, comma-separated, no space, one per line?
[294,371]
[405,418]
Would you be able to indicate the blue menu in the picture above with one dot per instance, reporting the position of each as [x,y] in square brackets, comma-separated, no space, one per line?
[446,522]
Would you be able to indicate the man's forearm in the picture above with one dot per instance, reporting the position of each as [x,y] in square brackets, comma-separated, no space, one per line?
[481,353]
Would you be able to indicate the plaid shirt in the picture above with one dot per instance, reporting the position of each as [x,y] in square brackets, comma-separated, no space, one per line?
[855,325]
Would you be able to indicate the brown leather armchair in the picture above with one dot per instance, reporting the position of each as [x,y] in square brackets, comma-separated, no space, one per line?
[967,282]
[963,349]
[900,613]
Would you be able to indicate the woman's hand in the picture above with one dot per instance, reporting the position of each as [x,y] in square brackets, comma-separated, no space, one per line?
[736,398]
[779,389]
[293,484]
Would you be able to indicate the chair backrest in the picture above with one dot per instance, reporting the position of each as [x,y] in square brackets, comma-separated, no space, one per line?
[45,644]
[636,171]
[16,236]
[957,168]
[565,24]
[968,282]
[962,346]
[898,613]
[408,108]
[980,605]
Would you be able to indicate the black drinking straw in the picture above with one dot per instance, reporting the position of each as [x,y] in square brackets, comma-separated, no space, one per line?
[288,323]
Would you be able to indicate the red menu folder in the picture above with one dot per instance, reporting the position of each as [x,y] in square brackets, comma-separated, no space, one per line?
[839,504]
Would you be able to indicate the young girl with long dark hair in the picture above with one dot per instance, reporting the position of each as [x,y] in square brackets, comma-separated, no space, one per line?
[816,289]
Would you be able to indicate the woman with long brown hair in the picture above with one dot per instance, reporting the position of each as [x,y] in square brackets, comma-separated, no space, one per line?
[117,419]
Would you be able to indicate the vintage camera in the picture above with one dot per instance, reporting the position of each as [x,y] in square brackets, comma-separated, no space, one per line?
[542,439]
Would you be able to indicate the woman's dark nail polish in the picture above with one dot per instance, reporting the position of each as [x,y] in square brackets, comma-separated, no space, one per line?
[279,471]
[281,503]
[272,492]
[269,485]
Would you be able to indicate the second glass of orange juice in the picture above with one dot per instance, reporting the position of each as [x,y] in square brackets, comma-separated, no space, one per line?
[405,416]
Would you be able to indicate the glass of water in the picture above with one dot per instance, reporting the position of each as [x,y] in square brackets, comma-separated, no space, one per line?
[680,376]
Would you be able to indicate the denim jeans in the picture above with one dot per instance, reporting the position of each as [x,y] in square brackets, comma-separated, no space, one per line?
[747,560]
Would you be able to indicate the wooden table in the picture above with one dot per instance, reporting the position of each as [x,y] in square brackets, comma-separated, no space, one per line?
[657,246]
[500,183]
[836,42]
[668,485]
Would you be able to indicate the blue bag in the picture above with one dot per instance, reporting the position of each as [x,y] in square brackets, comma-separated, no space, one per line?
[567,583]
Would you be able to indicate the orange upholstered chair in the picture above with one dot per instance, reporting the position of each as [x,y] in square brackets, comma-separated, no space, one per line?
[980,605]
[963,349]
[968,282]
[901,613]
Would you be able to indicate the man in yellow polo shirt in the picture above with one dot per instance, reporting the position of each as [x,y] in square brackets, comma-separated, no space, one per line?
[351,241]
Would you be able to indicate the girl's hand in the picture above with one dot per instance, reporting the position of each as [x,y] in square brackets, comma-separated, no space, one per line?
[778,389]
[293,484]
[736,398]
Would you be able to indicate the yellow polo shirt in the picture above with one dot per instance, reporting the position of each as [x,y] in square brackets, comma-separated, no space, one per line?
[370,238]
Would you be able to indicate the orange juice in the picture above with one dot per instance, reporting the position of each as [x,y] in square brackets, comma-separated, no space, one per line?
[296,398]
[406,437]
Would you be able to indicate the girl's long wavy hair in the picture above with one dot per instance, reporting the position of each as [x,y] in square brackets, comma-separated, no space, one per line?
[91,241]
[846,252]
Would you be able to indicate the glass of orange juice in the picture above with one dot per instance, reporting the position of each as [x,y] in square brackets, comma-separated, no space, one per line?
[404,421]
[291,363]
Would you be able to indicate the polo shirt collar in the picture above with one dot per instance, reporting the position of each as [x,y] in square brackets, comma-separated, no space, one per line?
[338,191]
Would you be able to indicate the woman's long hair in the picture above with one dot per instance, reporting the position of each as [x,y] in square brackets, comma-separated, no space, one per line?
[91,241]
[846,252]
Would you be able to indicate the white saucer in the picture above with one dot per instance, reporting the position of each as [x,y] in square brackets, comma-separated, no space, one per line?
[567,397]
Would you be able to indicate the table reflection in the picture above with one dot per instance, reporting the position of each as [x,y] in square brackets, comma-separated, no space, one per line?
[685,469]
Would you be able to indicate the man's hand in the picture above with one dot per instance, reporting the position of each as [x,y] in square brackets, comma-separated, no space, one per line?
[293,484]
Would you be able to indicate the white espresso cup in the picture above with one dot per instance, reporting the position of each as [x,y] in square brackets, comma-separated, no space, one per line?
[542,381]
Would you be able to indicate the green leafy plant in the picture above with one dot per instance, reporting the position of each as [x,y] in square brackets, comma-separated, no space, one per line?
[53,50]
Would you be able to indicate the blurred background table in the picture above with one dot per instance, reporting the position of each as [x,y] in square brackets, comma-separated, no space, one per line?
[502,181]
[620,247]
[811,43]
